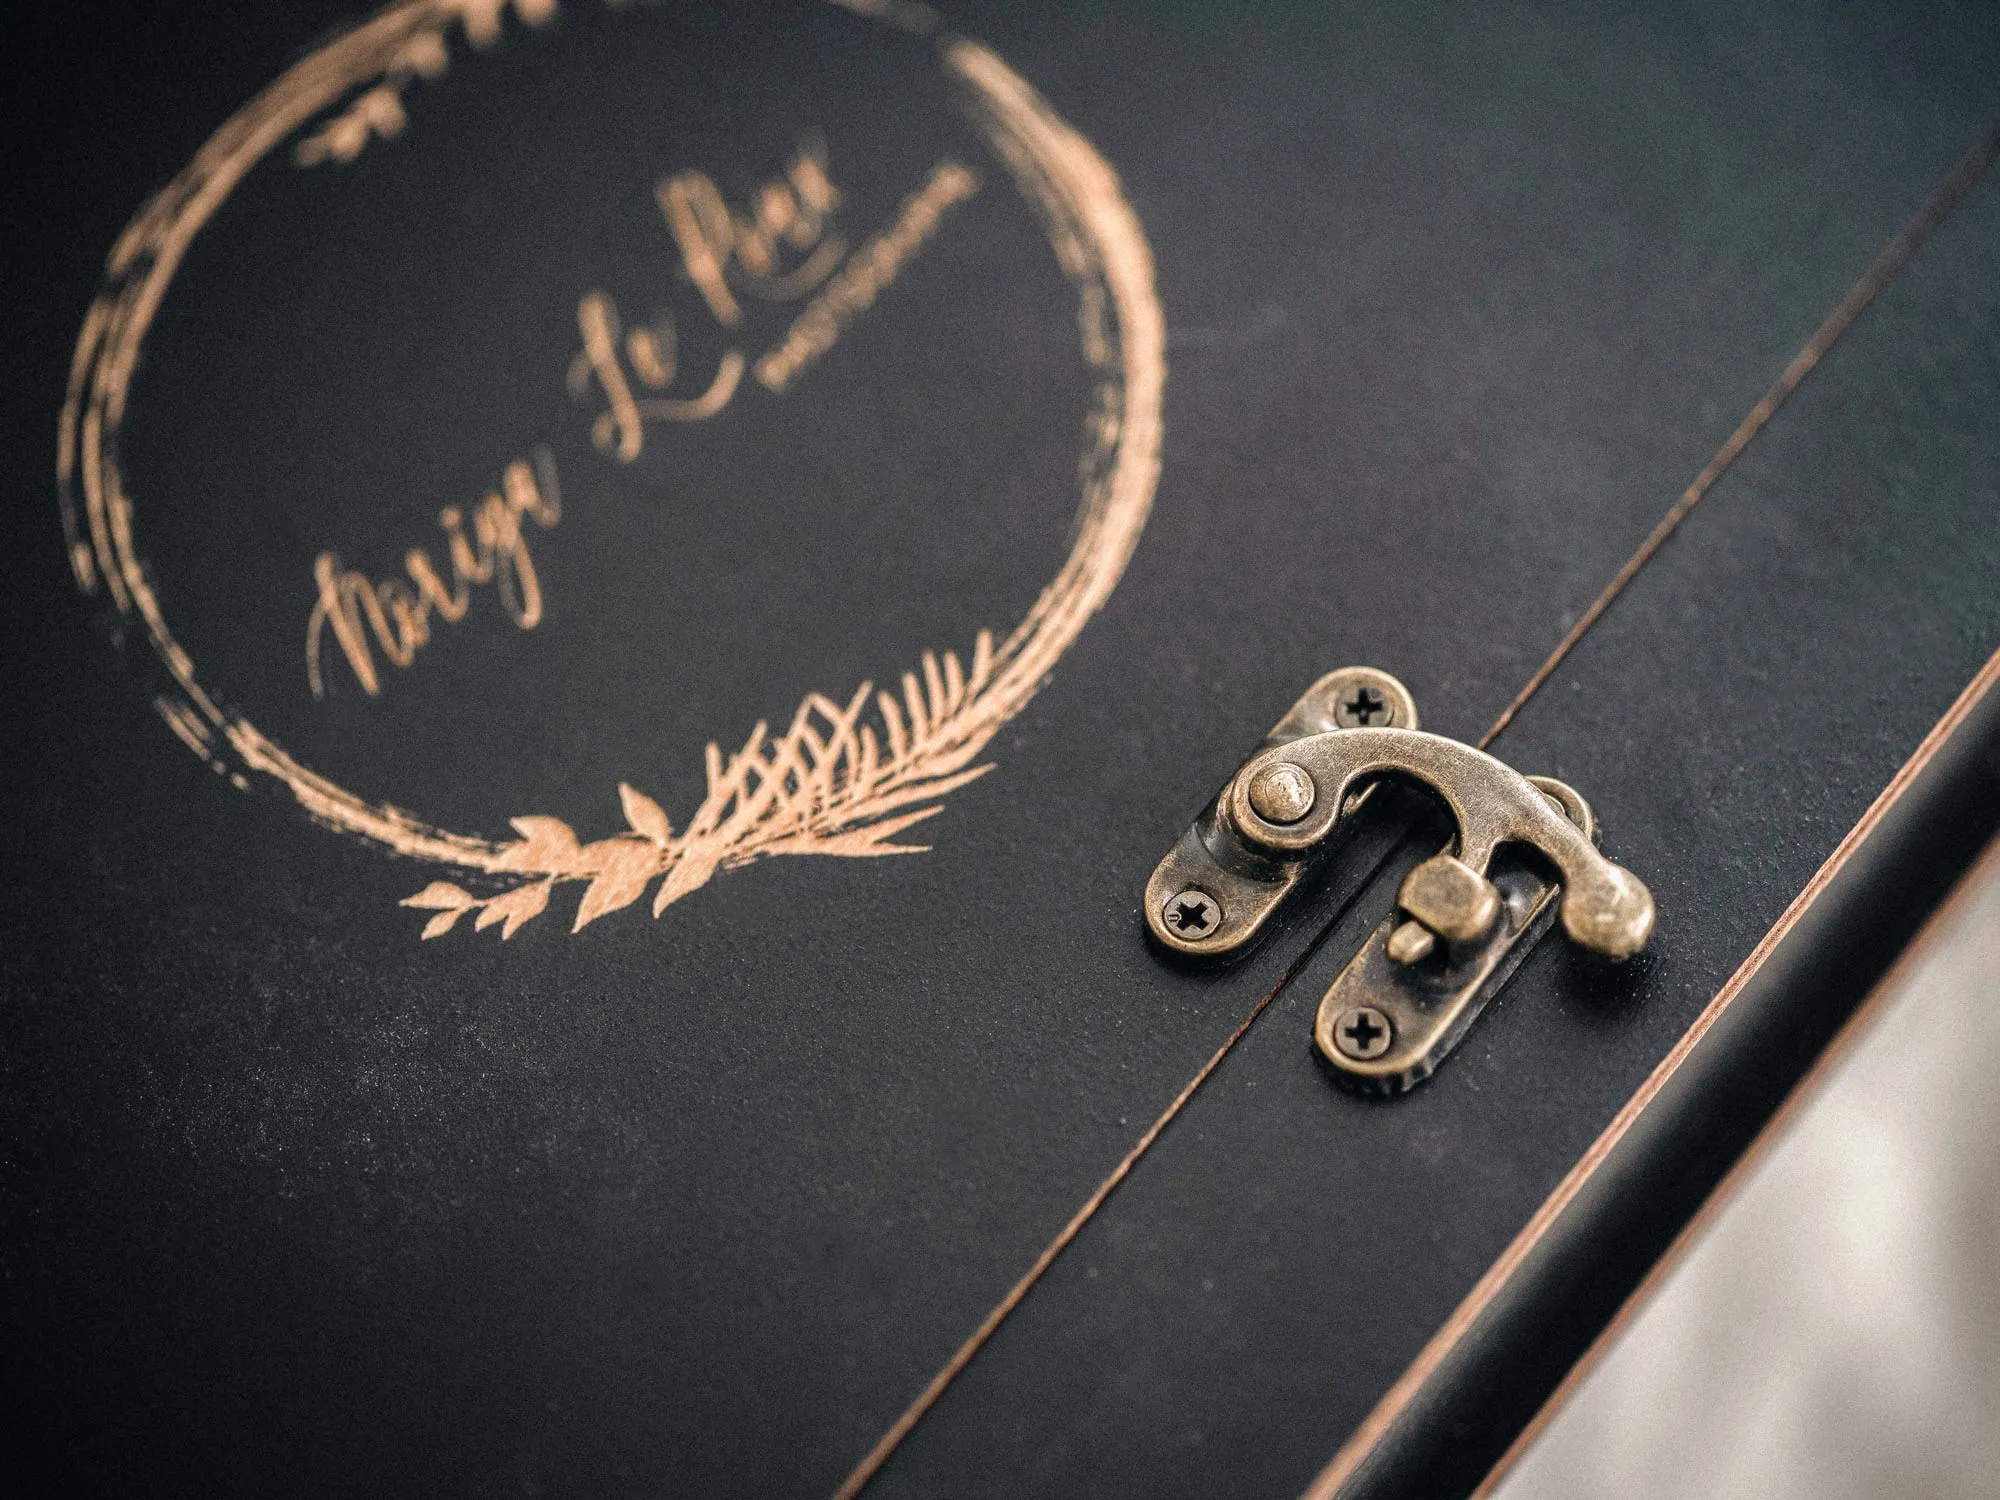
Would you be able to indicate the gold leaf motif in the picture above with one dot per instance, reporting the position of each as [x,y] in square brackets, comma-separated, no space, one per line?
[442,923]
[645,815]
[441,895]
[623,872]
[515,907]
[547,845]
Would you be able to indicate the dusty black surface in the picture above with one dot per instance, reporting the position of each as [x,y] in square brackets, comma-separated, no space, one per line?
[1457,301]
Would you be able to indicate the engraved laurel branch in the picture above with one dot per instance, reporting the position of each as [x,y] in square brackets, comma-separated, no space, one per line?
[830,784]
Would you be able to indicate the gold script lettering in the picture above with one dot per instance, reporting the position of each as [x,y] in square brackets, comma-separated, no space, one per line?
[792,210]
[620,429]
[723,251]
[859,282]
[393,615]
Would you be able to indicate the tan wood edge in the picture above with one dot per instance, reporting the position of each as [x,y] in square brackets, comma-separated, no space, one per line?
[1399,1396]
[1985,867]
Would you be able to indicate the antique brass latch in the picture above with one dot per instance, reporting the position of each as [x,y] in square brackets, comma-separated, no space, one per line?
[1526,849]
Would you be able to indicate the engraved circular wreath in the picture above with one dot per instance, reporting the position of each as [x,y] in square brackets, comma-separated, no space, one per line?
[846,777]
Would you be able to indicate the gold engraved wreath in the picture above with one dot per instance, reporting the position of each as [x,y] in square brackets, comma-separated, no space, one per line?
[842,780]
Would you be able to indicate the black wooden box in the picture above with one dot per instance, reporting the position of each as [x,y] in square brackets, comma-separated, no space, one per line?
[672,570]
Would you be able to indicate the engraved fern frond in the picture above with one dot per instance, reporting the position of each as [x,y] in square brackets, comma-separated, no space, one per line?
[831,784]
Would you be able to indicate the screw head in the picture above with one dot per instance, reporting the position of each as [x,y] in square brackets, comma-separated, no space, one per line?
[1363,706]
[1360,698]
[1282,793]
[1363,1033]
[1191,914]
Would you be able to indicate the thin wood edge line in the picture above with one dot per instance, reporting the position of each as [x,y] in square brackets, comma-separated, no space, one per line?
[1866,1016]
[864,1472]
[886,1445]
[1888,262]
[1376,1424]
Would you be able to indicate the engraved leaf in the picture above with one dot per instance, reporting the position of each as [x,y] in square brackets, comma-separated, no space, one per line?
[982,660]
[913,701]
[424,54]
[442,923]
[382,108]
[440,895]
[546,844]
[892,721]
[623,870]
[954,682]
[934,687]
[645,815]
[860,843]
[871,756]
[873,839]
[689,873]
[482,20]
[514,908]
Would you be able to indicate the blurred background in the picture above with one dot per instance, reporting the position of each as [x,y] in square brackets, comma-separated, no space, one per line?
[1835,1331]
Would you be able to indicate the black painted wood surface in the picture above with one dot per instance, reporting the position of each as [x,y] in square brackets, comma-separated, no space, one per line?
[1457,301]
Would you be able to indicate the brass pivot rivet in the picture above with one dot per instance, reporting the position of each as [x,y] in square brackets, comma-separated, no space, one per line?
[1192,914]
[1363,1033]
[1282,793]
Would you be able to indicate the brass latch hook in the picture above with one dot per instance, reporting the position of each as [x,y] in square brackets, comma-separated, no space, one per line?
[1464,924]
